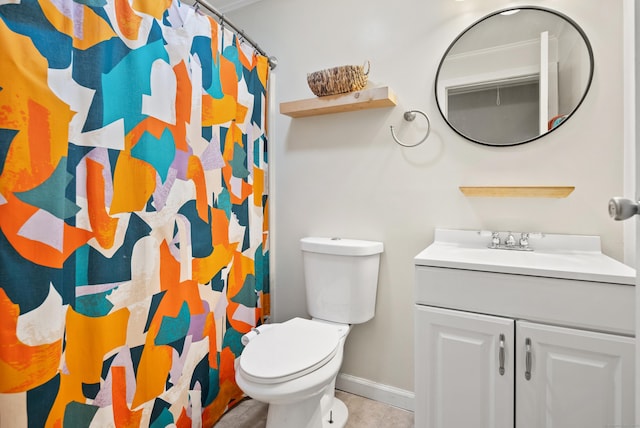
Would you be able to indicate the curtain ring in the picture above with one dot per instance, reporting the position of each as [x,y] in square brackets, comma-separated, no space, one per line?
[409,116]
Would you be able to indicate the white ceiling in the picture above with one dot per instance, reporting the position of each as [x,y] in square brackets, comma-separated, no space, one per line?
[224,6]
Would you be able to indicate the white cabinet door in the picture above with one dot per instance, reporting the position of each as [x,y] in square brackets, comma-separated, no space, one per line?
[578,378]
[459,381]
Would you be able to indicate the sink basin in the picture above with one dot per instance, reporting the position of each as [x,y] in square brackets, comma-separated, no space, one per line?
[576,257]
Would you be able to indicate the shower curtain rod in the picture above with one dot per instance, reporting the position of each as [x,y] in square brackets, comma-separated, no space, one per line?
[224,21]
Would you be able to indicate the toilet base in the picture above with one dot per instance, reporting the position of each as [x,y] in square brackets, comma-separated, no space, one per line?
[307,414]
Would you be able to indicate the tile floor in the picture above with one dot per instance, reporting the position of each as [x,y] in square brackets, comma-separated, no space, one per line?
[363,413]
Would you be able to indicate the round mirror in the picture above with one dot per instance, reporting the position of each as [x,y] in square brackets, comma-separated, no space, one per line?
[514,76]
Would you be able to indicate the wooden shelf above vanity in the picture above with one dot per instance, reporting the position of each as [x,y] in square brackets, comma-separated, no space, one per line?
[360,100]
[518,191]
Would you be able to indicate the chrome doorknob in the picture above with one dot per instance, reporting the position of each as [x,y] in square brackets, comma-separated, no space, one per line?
[622,208]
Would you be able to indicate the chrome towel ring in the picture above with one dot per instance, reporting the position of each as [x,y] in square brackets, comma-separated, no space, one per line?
[409,116]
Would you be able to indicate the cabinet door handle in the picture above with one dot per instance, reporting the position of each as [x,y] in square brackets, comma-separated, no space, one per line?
[527,359]
[501,355]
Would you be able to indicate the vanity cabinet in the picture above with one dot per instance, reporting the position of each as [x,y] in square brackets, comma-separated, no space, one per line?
[487,371]
[534,339]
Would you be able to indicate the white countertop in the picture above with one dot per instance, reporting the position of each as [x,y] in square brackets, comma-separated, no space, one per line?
[576,257]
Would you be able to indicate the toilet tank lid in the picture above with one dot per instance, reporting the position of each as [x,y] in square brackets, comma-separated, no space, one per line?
[340,246]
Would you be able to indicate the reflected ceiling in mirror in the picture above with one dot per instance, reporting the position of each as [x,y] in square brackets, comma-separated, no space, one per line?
[514,76]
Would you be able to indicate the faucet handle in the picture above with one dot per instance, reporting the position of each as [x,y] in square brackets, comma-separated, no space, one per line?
[495,239]
[524,240]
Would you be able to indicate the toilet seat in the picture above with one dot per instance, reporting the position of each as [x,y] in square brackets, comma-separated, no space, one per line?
[290,350]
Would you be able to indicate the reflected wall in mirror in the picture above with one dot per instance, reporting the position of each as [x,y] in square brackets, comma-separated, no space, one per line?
[514,76]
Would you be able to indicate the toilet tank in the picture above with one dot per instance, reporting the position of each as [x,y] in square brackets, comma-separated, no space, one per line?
[341,278]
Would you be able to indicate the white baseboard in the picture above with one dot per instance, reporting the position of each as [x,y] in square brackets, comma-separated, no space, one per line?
[376,391]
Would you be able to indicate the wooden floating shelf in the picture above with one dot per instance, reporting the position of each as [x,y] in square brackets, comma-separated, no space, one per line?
[360,100]
[518,191]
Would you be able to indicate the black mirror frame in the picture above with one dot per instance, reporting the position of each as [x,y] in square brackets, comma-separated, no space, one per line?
[554,12]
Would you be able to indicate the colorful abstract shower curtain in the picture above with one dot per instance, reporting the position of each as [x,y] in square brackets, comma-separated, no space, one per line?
[133,213]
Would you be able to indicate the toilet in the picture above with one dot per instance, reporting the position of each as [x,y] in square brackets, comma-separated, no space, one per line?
[293,365]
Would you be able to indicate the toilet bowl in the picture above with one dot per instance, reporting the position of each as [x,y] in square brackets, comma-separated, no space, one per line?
[292,366]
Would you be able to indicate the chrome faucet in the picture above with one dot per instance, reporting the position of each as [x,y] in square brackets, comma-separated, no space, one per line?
[510,243]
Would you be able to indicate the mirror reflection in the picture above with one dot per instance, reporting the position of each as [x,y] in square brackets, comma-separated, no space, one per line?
[514,76]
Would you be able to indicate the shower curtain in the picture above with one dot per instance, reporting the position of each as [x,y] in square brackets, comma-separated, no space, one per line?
[133,213]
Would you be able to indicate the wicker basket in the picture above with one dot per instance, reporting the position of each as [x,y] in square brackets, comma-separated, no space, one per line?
[338,80]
